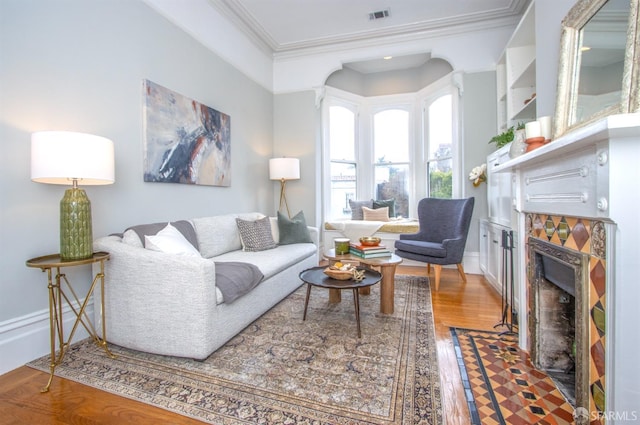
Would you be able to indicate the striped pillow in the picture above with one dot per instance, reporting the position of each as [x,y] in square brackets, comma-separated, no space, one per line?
[378,214]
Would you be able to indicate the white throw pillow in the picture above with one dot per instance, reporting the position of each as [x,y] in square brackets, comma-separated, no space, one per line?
[171,241]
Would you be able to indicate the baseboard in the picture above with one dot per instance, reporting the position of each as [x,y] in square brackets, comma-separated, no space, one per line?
[26,338]
[471,263]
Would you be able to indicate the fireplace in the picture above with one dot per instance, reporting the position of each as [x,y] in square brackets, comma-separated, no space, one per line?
[579,194]
[559,317]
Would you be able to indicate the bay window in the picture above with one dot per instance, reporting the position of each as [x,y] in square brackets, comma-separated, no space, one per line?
[400,147]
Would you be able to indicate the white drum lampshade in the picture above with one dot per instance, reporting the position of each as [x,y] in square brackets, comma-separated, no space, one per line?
[69,158]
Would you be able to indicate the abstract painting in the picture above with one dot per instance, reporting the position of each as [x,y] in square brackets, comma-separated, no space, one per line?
[185,141]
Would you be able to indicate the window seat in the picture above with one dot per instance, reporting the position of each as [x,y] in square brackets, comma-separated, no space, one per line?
[387,231]
[396,226]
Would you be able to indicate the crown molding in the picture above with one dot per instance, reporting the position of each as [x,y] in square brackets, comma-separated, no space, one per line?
[246,23]
[253,29]
[386,41]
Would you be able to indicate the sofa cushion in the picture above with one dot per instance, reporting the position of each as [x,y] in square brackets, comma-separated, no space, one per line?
[255,235]
[171,241]
[356,208]
[293,230]
[217,234]
[272,262]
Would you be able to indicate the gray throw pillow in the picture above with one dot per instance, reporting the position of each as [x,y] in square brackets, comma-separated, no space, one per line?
[356,208]
[391,203]
[255,235]
[293,230]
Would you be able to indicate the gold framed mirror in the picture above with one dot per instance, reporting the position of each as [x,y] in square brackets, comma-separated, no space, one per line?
[598,73]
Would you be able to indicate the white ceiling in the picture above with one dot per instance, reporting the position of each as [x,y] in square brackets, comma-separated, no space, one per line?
[291,26]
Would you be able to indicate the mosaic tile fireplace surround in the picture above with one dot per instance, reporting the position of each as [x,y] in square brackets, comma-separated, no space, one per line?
[579,196]
[588,238]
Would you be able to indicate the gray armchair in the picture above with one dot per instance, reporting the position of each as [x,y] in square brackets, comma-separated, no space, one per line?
[444,225]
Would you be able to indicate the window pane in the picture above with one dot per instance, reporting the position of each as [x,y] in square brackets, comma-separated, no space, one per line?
[342,133]
[343,188]
[440,148]
[440,179]
[391,136]
[440,128]
[392,182]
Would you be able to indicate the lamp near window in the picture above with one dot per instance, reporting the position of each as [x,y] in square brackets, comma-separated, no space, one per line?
[284,169]
[69,158]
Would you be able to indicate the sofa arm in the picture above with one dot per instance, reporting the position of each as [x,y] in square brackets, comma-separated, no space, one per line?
[315,235]
[153,297]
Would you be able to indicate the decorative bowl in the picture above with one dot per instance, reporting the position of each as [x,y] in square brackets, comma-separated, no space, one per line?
[338,274]
[370,241]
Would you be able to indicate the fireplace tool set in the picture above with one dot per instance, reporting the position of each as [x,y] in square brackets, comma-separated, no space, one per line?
[509,315]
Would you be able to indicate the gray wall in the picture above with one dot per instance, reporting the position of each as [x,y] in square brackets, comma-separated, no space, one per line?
[479,120]
[297,129]
[78,65]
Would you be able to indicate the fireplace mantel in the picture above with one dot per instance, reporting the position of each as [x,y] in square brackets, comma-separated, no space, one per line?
[611,127]
[593,173]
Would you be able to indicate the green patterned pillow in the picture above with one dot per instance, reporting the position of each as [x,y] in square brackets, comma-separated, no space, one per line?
[255,235]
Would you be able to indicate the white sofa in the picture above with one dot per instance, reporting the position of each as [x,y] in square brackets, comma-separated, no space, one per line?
[168,304]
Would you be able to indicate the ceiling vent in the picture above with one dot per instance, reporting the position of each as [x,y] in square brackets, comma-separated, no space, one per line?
[380,14]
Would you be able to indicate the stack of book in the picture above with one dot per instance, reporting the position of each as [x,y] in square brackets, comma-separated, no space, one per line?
[364,251]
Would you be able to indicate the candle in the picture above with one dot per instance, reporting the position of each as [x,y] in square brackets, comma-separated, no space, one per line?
[532,129]
[342,246]
[545,127]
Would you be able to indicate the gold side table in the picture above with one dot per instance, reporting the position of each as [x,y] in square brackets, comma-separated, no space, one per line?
[52,264]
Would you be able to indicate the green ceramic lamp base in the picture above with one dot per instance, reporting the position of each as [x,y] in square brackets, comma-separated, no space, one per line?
[76,238]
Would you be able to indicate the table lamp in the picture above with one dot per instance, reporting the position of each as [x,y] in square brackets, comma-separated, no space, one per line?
[69,158]
[284,169]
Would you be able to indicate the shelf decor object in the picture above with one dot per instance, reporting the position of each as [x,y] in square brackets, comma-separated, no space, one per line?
[284,169]
[70,158]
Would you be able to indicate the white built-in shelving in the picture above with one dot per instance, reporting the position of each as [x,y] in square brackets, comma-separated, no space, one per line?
[516,75]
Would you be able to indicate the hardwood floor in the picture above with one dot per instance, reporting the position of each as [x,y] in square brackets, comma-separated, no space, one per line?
[472,305]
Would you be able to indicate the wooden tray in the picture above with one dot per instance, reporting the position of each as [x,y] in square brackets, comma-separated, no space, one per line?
[339,274]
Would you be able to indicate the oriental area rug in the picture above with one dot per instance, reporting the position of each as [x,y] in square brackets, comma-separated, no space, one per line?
[283,370]
[501,384]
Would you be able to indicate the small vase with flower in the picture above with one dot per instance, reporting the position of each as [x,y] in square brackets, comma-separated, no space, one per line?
[478,175]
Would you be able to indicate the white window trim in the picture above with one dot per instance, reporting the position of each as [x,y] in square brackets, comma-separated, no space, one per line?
[415,104]
[444,86]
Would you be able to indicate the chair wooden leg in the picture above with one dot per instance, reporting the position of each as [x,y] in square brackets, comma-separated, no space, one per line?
[461,271]
[428,268]
[438,269]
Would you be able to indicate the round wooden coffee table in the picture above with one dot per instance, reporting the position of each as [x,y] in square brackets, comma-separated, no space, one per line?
[387,268]
[315,277]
